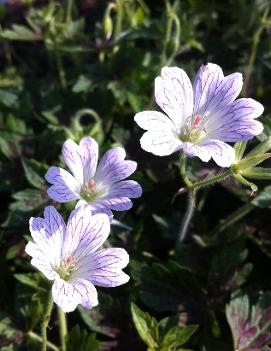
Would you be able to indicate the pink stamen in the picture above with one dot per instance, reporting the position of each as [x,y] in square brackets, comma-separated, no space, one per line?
[197,121]
[69,261]
[90,185]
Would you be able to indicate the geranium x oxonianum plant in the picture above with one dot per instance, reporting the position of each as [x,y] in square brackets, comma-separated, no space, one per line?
[102,187]
[199,120]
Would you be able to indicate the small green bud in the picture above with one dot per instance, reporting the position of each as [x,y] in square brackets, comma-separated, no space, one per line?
[107,21]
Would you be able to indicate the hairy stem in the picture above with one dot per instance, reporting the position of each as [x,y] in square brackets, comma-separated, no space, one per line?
[211,181]
[62,328]
[45,322]
[187,181]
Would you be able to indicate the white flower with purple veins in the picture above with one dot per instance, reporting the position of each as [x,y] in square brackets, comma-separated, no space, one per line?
[101,187]
[68,255]
[199,120]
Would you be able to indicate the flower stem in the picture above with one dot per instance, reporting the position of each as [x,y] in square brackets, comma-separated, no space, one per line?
[69,11]
[187,181]
[45,322]
[36,337]
[255,43]
[210,181]
[186,220]
[63,328]
[232,218]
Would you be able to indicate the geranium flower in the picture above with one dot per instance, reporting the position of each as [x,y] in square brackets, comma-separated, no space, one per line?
[101,187]
[68,255]
[199,120]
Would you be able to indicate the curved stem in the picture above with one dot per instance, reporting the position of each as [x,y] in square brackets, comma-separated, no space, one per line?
[45,322]
[186,220]
[211,180]
[187,181]
[63,328]
[36,337]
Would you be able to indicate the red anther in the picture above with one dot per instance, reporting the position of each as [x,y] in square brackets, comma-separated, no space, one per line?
[197,121]
[69,261]
[90,185]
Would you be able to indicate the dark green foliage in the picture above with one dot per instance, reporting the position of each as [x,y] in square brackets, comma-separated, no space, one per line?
[86,69]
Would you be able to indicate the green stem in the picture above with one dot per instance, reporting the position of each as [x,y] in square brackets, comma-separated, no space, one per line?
[167,36]
[211,181]
[255,43]
[69,11]
[61,71]
[119,19]
[232,218]
[187,181]
[63,328]
[45,322]
[186,220]
[36,337]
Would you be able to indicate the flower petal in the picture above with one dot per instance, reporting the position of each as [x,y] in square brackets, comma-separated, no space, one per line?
[207,80]
[174,95]
[68,295]
[85,233]
[48,234]
[160,143]
[89,157]
[116,203]
[236,121]
[65,187]
[104,268]
[192,150]
[212,92]
[72,156]
[40,259]
[125,188]
[153,120]
[113,167]
[96,207]
[222,153]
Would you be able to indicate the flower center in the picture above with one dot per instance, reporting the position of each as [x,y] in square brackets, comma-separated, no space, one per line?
[194,131]
[89,191]
[66,268]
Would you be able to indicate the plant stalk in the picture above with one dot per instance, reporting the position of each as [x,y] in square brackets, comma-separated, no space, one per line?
[36,337]
[45,322]
[186,220]
[62,328]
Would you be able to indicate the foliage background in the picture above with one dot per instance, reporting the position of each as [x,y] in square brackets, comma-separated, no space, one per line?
[69,69]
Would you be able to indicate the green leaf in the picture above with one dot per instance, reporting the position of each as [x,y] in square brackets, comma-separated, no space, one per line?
[177,336]
[34,172]
[28,200]
[19,32]
[82,85]
[80,340]
[34,280]
[146,326]
[263,200]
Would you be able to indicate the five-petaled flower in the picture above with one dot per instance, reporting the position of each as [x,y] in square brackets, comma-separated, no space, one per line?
[199,120]
[68,255]
[102,187]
